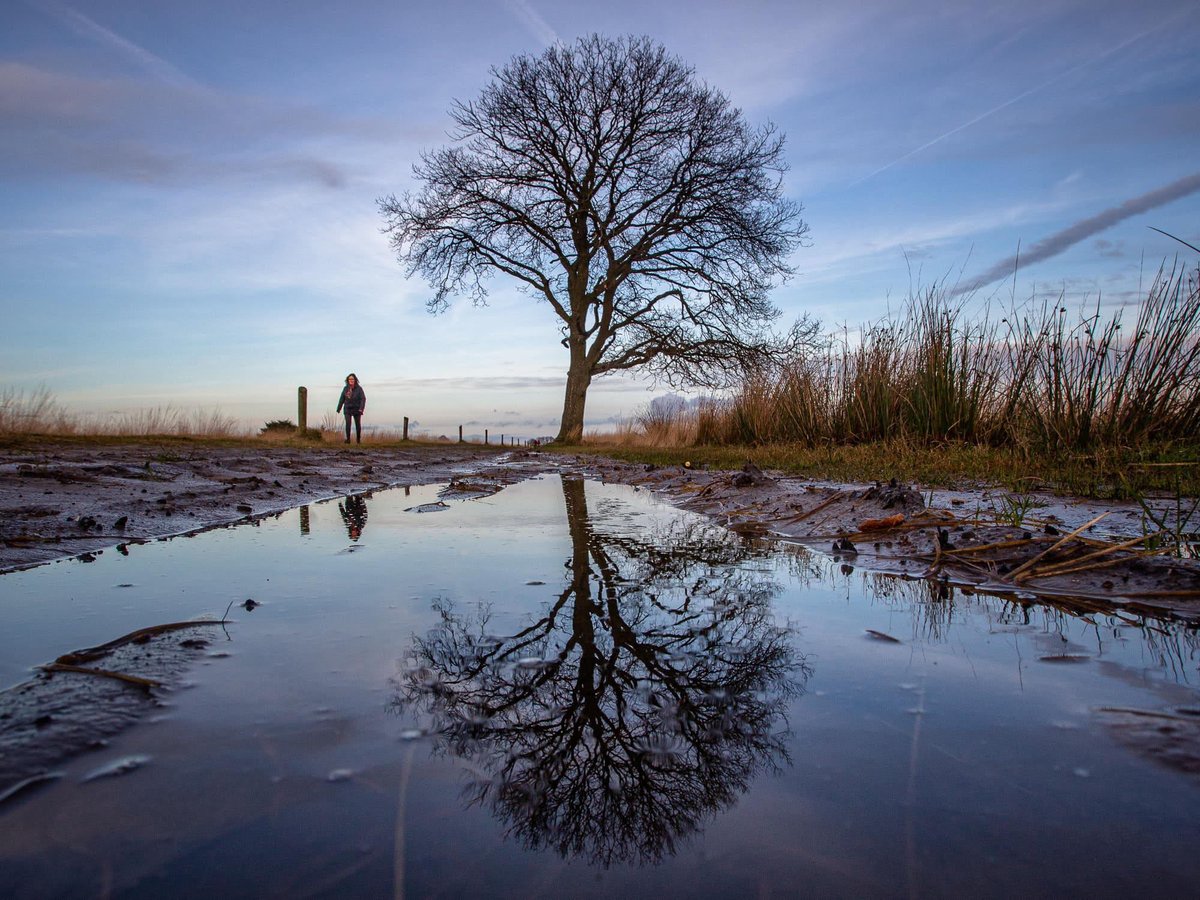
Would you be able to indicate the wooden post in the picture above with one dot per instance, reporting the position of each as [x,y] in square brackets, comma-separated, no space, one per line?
[406,428]
[485,435]
[302,409]
[501,440]
[460,440]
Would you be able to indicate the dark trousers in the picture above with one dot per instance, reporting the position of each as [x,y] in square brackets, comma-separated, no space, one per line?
[357,417]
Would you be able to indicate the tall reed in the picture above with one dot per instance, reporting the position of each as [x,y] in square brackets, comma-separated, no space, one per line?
[38,412]
[1042,379]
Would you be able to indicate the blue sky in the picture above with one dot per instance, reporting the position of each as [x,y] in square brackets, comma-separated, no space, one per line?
[189,188]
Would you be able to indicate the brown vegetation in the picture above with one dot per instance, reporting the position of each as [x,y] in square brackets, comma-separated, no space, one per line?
[1039,380]
[1076,398]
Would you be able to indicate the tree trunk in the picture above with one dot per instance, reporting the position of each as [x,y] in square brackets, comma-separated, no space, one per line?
[579,377]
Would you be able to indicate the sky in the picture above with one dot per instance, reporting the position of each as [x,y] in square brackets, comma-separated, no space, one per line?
[189,214]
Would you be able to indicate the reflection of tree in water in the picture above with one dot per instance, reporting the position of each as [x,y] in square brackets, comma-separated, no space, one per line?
[354,514]
[643,701]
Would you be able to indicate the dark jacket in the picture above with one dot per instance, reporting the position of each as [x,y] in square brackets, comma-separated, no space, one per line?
[354,399]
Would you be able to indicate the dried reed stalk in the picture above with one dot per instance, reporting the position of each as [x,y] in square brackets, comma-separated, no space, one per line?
[1055,546]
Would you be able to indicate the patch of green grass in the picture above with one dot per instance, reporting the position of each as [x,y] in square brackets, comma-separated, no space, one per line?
[1107,476]
[1014,509]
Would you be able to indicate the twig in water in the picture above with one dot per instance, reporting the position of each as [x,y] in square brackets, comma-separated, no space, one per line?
[136,680]
[88,654]
[1073,565]
[1031,563]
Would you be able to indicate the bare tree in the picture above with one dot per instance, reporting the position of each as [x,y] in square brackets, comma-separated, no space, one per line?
[635,200]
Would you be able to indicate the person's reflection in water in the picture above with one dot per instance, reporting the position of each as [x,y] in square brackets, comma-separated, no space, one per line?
[642,703]
[354,514]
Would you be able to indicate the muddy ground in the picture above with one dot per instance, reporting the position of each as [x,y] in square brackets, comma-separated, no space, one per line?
[75,499]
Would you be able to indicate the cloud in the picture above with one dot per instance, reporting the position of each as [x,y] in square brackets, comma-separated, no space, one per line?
[609,384]
[146,132]
[140,163]
[1019,97]
[1068,237]
[533,22]
[139,56]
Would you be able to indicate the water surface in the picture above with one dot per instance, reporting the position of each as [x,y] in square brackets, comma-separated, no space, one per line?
[568,689]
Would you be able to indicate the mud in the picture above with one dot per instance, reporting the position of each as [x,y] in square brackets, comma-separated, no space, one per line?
[73,499]
[1085,554]
[76,703]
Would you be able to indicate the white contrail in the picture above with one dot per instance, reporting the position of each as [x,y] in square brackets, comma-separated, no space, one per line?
[1007,103]
[1073,234]
[532,20]
[139,56]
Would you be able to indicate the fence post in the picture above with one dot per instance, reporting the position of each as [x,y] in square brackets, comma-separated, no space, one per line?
[485,436]
[302,409]
[460,440]
[406,428]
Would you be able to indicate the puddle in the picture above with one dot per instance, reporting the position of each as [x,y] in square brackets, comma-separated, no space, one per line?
[566,689]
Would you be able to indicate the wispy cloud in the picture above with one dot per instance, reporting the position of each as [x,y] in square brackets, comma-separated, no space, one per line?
[611,384]
[1073,234]
[139,56]
[1018,98]
[533,22]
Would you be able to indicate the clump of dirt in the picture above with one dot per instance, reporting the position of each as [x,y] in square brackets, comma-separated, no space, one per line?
[1169,737]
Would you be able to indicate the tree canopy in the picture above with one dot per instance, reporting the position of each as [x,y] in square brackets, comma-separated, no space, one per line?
[606,180]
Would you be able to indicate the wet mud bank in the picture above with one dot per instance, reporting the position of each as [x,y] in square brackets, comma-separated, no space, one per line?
[1086,554]
[401,645]
[80,501]
[63,500]
[77,702]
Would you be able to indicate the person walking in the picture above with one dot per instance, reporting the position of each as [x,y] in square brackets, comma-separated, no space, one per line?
[352,403]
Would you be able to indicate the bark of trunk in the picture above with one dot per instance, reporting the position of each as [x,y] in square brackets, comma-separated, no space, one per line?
[579,377]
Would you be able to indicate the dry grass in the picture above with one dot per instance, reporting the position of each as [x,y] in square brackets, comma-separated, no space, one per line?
[38,412]
[1077,400]
[1038,381]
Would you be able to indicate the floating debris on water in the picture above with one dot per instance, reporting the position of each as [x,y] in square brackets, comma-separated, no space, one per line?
[882,636]
[122,766]
[535,662]
[28,784]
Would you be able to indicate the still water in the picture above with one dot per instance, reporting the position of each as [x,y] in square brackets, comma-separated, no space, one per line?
[570,690]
